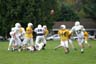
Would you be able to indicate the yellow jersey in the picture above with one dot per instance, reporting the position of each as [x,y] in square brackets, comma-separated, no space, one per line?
[29,32]
[64,34]
[21,30]
[86,35]
[70,34]
[46,32]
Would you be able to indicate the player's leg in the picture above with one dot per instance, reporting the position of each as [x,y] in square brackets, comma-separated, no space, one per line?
[60,45]
[80,42]
[10,43]
[32,44]
[14,45]
[57,47]
[44,41]
[72,45]
[25,42]
[86,42]
[66,47]
[37,42]
[19,44]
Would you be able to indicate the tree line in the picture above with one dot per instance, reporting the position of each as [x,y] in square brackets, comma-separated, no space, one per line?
[38,11]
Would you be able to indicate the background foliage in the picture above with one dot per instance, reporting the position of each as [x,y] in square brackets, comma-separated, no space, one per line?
[38,12]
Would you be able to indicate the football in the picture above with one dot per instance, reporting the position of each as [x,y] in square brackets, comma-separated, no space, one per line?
[52,12]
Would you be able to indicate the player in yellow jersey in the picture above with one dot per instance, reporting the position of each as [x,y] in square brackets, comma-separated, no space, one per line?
[64,36]
[28,39]
[86,38]
[45,34]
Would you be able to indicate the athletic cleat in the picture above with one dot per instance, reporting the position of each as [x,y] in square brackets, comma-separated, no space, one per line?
[19,50]
[82,51]
[8,49]
[66,52]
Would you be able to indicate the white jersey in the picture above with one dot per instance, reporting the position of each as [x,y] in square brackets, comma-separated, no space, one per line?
[78,30]
[39,31]
[16,31]
[12,34]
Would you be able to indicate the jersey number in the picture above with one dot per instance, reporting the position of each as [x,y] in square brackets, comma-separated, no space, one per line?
[64,34]
[39,30]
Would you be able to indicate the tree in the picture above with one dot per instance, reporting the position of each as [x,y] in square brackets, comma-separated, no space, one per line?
[67,13]
[89,7]
[24,11]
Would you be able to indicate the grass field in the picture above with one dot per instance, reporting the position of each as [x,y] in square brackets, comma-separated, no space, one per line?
[48,56]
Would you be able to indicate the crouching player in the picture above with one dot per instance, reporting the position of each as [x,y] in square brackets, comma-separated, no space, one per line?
[64,36]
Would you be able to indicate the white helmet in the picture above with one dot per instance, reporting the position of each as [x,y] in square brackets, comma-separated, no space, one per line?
[63,26]
[30,24]
[44,26]
[77,23]
[18,25]
[39,26]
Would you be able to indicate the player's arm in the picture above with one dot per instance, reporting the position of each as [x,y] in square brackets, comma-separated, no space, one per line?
[23,31]
[46,32]
[83,29]
[59,32]
[69,34]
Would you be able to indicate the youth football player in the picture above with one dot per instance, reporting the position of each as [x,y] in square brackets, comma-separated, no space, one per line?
[64,36]
[39,36]
[45,34]
[28,38]
[79,31]
[12,44]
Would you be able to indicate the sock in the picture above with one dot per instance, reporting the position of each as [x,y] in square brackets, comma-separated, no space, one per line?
[82,50]
[44,46]
[86,42]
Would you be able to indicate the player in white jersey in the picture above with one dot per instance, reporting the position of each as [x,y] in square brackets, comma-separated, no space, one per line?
[12,44]
[17,35]
[79,31]
[40,37]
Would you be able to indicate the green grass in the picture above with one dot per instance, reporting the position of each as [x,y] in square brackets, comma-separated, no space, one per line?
[48,56]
